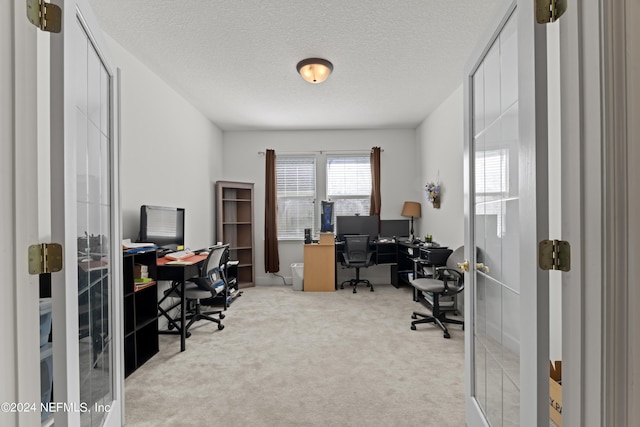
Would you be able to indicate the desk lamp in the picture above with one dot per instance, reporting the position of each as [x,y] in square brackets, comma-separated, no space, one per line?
[411,209]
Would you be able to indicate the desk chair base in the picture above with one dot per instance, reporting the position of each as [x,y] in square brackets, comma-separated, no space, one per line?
[354,282]
[198,314]
[192,316]
[439,320]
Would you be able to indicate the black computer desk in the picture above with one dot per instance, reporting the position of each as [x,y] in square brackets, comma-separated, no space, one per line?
[178,274]
[396,253]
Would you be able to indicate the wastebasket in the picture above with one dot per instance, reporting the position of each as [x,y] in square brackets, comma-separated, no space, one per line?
[297,272]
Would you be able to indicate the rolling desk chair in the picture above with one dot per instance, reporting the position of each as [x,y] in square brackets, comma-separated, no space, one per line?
[357,254]
[447,281]
[210,283]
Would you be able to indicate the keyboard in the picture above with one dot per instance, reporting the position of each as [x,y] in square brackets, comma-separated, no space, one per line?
[179,255]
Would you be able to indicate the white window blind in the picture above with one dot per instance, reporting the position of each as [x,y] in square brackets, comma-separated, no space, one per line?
[349,184]
[492,184]
[296,176]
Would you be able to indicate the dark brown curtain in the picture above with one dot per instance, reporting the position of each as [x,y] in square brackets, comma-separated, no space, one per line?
[376,198]
[271,255]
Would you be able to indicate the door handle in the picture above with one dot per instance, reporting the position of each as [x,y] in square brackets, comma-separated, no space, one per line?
[464,266]
[480,266]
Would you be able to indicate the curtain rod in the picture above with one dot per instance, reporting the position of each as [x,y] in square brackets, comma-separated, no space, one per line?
[262,153]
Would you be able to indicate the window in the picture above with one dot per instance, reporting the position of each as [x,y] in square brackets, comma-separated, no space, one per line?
[296,178]
[492,186]
[349,184]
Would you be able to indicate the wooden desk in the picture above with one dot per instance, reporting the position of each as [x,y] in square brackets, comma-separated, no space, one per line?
[320,266]
[178,274]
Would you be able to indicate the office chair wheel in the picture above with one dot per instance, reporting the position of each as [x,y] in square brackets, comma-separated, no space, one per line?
[413,327]
[170,326]
[355,291]
[220,326]
[446,335]
[222,316]
[413,316]
[371,290]
[341,286]
[187,335]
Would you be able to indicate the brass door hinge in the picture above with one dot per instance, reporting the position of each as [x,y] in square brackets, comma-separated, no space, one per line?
[46,16]
[45,258]
[549,10]
[554,255]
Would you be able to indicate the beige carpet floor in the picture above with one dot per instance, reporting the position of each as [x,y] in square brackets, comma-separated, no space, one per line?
[290,358]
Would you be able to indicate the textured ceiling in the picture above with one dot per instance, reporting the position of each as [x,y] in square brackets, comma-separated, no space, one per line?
[394,61]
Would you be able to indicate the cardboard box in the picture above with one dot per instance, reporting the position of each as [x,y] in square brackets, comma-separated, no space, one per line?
[140,271]
[555,392]
[327,239]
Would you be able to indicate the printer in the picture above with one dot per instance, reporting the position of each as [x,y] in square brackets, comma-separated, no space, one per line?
[435,255]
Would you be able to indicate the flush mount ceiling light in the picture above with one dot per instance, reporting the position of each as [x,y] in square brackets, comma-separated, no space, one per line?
[314,70]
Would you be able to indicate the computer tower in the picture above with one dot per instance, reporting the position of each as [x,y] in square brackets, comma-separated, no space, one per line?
[326,217]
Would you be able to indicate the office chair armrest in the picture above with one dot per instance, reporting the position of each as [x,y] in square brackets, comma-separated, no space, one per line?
[454,276]
[369,258]
[439,272]
[345,259]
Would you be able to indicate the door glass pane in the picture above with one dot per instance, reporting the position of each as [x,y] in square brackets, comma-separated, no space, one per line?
[46,352]
[496,328]
[95,276]
[511,403]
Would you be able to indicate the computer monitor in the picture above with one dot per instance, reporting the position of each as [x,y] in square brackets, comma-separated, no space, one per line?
[357,225]
[394,227]
[161,225]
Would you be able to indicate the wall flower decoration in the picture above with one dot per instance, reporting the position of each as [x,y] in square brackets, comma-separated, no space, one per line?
[433,193]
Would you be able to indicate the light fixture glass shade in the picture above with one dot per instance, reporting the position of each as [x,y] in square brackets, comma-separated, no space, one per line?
[314,70]
[412,209]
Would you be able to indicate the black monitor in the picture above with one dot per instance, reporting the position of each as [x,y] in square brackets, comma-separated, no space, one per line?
[161,225]
[357,225]
[394,227]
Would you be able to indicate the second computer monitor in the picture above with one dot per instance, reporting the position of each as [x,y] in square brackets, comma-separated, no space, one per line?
[362,224]
[394,228]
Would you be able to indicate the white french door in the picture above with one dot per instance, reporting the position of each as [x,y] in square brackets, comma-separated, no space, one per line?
[85,219]
[75,166]
[78,172]
[506,214]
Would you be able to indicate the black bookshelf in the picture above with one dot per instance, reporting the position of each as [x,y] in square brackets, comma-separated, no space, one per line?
[140,311]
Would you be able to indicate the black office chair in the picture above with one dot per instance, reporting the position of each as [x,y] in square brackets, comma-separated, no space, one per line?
[448,281]
[357,254]
[211,283]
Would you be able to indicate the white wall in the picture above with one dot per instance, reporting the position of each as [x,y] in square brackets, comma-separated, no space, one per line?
[170,152]
[398,181]
[440,149]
